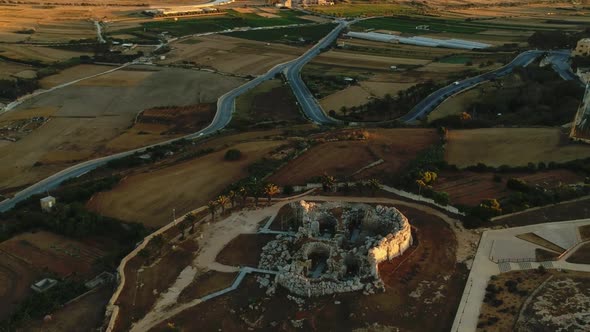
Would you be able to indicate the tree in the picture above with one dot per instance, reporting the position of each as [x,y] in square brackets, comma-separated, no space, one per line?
[328,182]
[191,220]
[420,184]
[232,195]
[232,154]
[359,186]
[374,185]
[243,193]
[222,201]
[288,189]
[255,191]
[270,190]
[212,206]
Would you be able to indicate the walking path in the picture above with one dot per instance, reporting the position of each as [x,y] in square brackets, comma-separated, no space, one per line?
[217,235]
[483,268]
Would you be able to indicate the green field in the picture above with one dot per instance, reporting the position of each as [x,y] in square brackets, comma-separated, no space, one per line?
[232,19]
[456,59]
[309,34]
[354,10]
[409,24]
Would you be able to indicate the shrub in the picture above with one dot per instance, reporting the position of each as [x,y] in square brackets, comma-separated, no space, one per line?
[233,154]
[288,189]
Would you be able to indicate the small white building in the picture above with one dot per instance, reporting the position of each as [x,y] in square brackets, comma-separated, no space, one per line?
[583,47]
[47,203]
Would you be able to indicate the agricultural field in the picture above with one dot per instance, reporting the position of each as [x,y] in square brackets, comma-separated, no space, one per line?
[29,256]
[581,255]
[363,10]
[291,36]
[232,19]
[87,116]
[345,159]
[571,210]
[511,146]
[229,55]
[149,197]
[470,188]
[270,104]
[72,74]
[37,54]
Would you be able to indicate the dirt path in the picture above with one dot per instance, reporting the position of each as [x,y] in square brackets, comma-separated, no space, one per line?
[217,235]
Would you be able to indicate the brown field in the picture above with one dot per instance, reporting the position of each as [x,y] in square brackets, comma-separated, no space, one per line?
[470,188]
[28,256]
[91,115]
[148,279]
[54,253]
[207,283]
[511,146]
[352,96]
[456,104]
[149,198]
[244,250]
[579,209]
[231,55]
[16,277]
[420,281]
[72,74]
[373,62]
[12,70]
[341,159]
[46,55]
[85,314]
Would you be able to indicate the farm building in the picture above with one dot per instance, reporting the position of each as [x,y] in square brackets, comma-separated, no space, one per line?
[47,203]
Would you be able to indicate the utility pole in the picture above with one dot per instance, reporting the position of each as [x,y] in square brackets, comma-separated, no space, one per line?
[174,216]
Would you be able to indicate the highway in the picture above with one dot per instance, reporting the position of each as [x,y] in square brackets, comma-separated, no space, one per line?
[558,59]
[225,109]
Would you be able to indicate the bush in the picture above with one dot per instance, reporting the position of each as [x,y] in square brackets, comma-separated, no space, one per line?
[288,189]
[233,154]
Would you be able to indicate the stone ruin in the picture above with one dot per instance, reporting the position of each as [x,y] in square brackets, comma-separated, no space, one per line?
[337,248]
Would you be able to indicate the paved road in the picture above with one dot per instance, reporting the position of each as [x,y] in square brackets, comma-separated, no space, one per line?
[225,108]
[309,105]
[558,59]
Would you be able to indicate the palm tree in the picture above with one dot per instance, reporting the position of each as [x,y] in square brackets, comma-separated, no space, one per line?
[222,200]
[255,191]
[359,186]
[327,182]
[232,195]
[212,206]
[374,185]
[270,190]
[243,194]
[191,219]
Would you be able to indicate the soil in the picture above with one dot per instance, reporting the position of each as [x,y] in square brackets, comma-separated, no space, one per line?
[581,255]
[147,282]
[579,209]
[470,188]
[16,278]
[343,158]
[207,283]
[511,146]
[84,314]
[149,197]
[244,250]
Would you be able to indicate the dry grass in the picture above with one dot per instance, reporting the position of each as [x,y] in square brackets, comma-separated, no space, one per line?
[71,74]
[343,158]
[149,198]
[584,232]
[511,146]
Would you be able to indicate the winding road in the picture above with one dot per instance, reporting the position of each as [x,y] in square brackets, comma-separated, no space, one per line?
[309,106]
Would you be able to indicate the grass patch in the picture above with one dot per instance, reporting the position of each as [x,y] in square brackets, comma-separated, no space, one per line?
[231,20]
[409,24]
[299,35]
[353,10]
[270,104]
[536,239]
[456,59]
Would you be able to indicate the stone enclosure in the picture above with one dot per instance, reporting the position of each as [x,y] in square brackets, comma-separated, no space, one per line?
[337,248]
